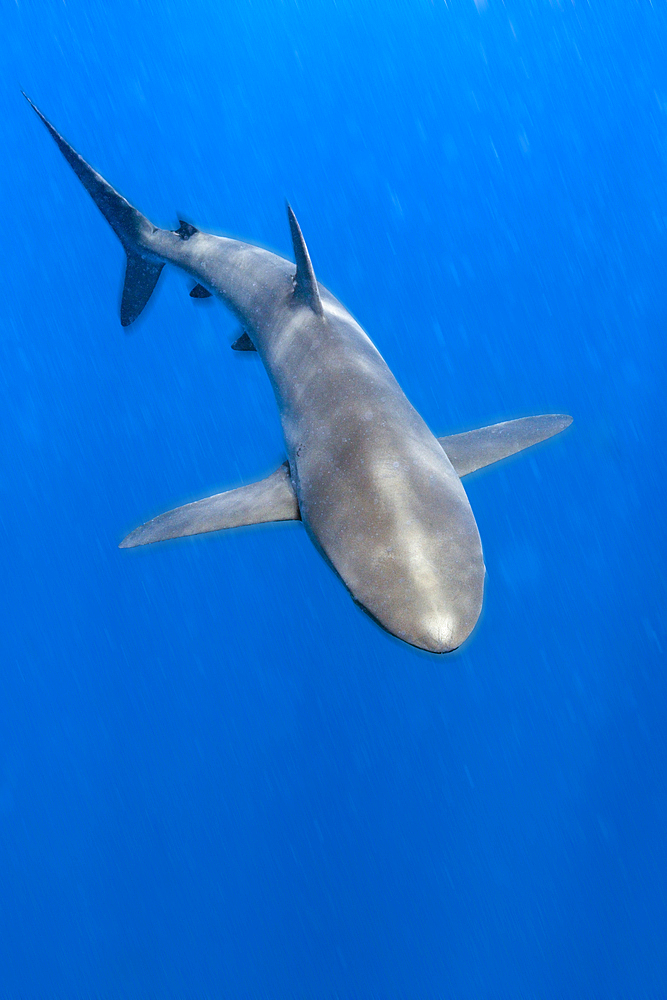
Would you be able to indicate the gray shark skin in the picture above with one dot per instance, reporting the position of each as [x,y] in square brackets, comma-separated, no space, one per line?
[380,496]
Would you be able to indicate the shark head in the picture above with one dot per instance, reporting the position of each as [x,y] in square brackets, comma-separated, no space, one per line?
[431,617]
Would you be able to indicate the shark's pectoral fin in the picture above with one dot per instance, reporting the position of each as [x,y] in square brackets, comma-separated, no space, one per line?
[271,499]
[244,343]
[140,279]
[474,450]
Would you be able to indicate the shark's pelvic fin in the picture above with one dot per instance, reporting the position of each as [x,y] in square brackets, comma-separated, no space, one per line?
[474,450]
[244,343]
[271,499]
[199,292]
[128,224]
[305,282]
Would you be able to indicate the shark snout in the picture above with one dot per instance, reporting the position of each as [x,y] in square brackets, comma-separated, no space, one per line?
[439,634]
[436,613]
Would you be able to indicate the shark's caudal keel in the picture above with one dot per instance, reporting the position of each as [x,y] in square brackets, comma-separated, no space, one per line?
[380,496]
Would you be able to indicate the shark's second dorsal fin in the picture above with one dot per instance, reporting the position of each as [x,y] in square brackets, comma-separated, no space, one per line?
[185,230]
[305,282]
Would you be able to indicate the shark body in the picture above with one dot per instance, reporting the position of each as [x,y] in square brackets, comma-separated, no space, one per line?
[380,496]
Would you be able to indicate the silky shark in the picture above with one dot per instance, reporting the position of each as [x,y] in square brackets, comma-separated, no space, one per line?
[380,496]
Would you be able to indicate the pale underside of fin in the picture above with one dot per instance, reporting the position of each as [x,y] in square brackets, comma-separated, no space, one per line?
[271,499]
[305,282]
[244,343]
[474,450]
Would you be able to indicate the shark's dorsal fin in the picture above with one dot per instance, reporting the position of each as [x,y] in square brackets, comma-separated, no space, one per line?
[305,282]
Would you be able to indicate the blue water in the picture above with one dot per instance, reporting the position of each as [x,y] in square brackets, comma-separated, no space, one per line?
[218,778]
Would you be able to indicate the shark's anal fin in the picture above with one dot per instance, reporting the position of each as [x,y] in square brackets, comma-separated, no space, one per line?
[244,343]
[140,279]
[271,499]
[305,282]
[199,292]
[474,450]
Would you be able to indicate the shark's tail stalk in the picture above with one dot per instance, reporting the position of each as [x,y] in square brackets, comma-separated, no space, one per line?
[131,227]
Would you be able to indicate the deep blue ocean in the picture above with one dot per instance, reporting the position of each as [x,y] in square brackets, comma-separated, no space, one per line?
[218,778]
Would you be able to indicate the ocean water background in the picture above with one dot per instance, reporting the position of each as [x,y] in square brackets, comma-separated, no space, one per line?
[217,776]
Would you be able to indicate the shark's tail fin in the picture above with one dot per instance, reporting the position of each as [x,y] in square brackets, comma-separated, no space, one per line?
[131,227]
